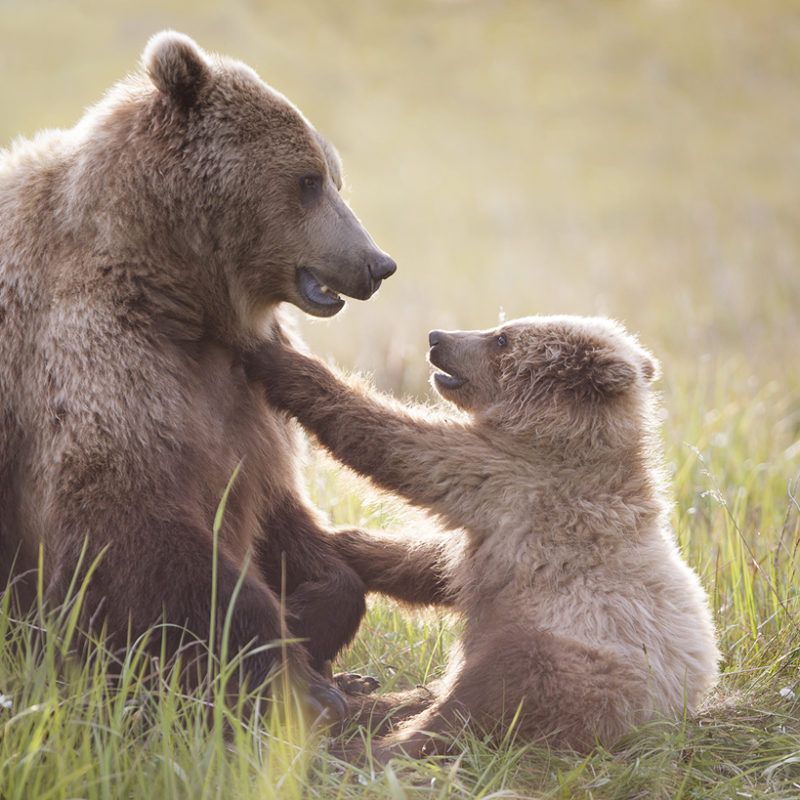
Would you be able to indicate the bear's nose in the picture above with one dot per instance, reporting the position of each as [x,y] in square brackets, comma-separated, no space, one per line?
[434,338]
[381,266]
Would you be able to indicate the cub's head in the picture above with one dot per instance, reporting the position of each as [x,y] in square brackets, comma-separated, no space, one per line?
[239,178]
[552,376]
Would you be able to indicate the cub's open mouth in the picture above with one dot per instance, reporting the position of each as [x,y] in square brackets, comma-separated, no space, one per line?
[322,300]
[446,379]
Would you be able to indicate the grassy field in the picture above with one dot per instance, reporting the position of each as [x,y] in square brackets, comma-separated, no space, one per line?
[636,159]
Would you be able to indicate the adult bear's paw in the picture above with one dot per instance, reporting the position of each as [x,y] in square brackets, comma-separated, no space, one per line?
[327,703]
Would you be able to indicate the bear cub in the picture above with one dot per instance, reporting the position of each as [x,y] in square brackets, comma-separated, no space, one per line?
[581,619]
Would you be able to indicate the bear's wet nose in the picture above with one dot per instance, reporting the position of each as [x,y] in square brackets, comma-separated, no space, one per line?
[381,266]
[434,338]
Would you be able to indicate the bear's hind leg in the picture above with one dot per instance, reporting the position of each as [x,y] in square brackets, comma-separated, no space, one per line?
[545,686]
[127,595]
[373,716]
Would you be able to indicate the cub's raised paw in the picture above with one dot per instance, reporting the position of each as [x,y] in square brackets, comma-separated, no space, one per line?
[353,684]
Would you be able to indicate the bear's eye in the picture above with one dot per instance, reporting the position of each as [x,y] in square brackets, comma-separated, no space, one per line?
[310,185]
[501,340]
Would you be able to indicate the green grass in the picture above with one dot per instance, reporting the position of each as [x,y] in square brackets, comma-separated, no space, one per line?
[70,729]
[638,159]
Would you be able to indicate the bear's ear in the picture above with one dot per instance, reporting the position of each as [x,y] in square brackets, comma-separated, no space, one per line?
[177,67]
[615,374]
[650,368]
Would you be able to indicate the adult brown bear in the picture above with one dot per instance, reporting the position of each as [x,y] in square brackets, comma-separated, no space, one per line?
[141,254]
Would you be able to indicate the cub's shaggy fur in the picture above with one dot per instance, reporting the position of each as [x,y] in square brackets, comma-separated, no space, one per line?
[141,254]
[579,613]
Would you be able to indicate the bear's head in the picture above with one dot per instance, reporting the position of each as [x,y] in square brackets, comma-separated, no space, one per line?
[555,377]
[199,150]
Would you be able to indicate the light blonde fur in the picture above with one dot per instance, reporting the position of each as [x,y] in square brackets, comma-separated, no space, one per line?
[580,615]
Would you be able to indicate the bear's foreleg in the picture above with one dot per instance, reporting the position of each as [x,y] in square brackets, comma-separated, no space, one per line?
[401,449]
[410,570]
[323,595]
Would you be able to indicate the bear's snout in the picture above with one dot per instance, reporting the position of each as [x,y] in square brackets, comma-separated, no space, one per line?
[441,346]
[380,267]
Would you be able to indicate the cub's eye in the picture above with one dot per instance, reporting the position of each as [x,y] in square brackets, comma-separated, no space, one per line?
[501,340]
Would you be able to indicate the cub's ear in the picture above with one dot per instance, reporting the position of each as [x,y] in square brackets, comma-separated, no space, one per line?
[177,67]
[614,374]
[651,370]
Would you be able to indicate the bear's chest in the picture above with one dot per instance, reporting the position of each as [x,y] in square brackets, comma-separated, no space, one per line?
[235,446]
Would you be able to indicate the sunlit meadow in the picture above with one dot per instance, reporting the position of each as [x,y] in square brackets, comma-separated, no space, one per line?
[635,159]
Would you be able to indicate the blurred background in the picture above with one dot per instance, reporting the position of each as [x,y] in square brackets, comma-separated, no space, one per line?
[639,159]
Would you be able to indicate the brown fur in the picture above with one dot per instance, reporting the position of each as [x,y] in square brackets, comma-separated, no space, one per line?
[579,613]
[142,252]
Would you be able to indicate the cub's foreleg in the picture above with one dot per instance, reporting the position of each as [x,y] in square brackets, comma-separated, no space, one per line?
[413,571]
[403,449]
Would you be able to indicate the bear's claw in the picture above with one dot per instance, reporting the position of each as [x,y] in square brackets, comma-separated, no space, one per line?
[327,702]
[353,684]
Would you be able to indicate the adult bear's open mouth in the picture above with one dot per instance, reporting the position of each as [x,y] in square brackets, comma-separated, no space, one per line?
[323,301]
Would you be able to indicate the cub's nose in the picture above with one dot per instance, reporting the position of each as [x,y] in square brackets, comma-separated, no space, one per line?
[381,266]
[434,338]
